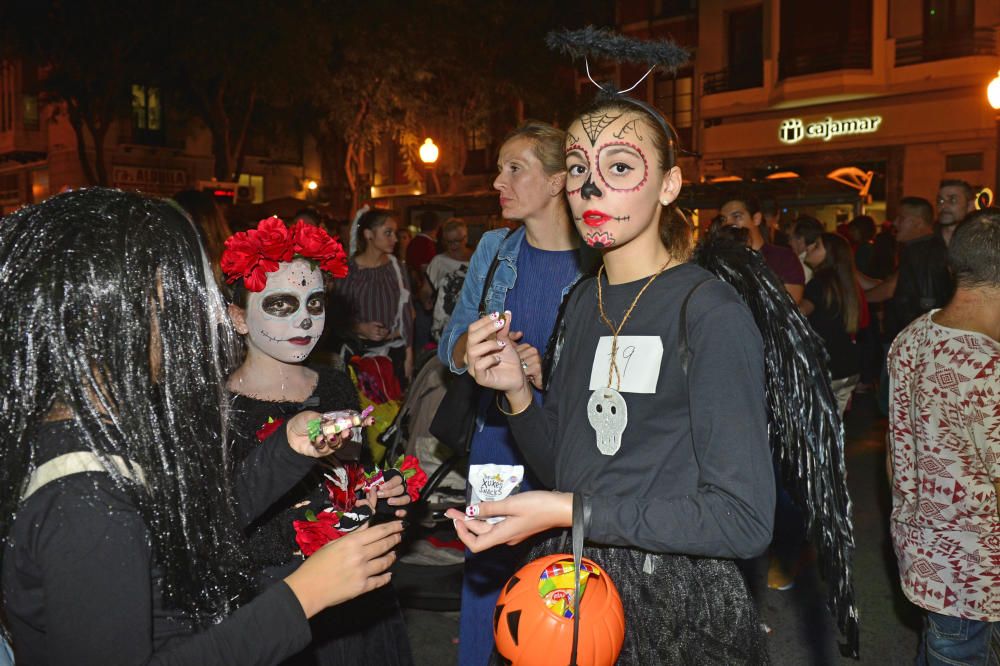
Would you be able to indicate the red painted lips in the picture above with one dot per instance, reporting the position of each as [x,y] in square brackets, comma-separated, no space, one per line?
[595,218]
[303,341]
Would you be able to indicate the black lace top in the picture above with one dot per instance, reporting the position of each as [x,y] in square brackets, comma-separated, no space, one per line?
[272,536]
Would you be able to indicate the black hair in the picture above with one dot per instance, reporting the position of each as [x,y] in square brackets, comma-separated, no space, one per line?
[864,226]
[921,207]
[111,316]
[675,230]
[836,277]
[808,228]
[210,221]
[750,201]
[369,221]
[967,190]
[974,250]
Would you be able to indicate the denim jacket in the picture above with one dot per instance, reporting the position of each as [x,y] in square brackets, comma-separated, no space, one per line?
[493,243]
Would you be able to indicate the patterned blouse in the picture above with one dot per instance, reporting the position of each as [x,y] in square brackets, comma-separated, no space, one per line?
[944,439]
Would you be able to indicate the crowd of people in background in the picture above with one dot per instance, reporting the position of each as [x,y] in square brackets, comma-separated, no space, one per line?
[893,304]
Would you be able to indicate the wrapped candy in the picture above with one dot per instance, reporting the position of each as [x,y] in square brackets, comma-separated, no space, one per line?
[332,424]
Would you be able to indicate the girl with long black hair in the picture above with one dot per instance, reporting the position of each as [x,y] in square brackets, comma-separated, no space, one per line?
[118,505]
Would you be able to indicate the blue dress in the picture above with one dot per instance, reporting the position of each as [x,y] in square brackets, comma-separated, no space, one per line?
[534,303]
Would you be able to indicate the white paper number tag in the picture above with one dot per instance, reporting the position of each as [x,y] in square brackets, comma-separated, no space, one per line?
[638,363]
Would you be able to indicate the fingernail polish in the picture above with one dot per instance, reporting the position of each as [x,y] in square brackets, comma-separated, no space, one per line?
[494,316]
[501,343]
[499,324]
[472,511]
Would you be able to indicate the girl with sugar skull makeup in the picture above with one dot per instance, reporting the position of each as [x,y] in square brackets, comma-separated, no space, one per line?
[281,312]
[120,505]
[672,468]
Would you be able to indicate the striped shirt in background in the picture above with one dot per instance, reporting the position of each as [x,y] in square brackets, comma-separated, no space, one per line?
[373,295]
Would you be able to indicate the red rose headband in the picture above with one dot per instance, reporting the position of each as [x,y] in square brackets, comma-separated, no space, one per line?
[252,254]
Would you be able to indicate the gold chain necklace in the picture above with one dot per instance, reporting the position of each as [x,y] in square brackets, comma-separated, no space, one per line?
[613,368]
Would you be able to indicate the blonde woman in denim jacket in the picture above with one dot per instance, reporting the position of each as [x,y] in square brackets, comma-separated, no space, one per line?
[539,263]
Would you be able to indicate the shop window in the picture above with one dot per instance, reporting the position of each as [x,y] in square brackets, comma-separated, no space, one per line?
[147,114]
[964,162]
[30,112]
[824,37]
[674,98]
[256,185]
[668,8]
[39,185]
[477,149]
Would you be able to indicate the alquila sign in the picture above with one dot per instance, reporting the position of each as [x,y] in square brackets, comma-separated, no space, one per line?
[793,130]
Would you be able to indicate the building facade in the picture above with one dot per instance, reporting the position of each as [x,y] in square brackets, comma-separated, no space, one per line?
[151,150]
[883,98]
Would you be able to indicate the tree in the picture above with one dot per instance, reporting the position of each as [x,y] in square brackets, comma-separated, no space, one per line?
[228,61]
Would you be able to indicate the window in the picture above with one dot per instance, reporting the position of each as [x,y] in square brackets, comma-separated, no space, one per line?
[964,162]
[746,48]
[673,97]
[256,184]
[146,110]
[824,37]
[30,112]
[10,188]
[7,72]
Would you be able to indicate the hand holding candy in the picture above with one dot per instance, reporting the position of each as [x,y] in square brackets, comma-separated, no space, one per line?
[301,440]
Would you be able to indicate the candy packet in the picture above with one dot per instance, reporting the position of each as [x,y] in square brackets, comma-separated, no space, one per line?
[556,586]
[489,483]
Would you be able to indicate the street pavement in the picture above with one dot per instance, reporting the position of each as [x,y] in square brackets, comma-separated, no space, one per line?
[802,630]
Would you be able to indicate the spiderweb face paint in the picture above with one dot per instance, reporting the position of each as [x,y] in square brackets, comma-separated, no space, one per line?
[286,320]
[614,184]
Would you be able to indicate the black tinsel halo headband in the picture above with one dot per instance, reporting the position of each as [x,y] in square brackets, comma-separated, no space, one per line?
[603,44]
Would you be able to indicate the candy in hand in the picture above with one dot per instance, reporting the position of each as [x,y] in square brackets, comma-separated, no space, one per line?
[334,423]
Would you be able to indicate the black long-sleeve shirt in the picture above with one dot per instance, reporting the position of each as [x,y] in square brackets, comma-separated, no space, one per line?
[81,583]
[694,473]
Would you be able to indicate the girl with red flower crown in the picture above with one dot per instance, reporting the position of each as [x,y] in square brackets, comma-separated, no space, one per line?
[279,307]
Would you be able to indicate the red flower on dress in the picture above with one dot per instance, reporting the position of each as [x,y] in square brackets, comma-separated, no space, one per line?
[414,475]
[268,428]
[311,535]
[251,255]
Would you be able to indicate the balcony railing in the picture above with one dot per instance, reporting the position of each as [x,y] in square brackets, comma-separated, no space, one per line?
[815,62]
[915,50]
[726,80]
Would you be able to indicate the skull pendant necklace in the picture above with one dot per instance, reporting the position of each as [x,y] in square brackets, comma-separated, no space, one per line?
[607,410]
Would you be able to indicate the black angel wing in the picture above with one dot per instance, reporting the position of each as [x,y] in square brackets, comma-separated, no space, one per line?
[805,427]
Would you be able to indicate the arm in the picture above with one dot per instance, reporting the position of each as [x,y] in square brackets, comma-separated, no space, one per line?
[96,564]
[266,474]
[732,512]
[451,351]
[795,291]
[882,291]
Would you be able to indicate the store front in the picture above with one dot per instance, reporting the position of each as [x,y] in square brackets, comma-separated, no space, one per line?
[841,159]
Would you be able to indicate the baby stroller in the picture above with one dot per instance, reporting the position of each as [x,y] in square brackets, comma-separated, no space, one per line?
[428,573]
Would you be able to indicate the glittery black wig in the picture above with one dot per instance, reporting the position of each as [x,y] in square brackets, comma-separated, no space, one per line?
[111,318]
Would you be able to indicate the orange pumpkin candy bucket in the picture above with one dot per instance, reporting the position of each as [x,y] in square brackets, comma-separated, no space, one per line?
[530,632]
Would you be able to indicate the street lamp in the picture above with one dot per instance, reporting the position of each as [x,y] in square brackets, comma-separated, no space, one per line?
[429,155]
[993,95]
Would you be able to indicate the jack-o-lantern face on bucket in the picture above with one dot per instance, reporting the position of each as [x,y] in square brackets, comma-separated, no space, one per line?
[529,633]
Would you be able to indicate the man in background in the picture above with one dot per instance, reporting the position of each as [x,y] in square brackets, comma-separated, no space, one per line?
[944,454]
[955,200]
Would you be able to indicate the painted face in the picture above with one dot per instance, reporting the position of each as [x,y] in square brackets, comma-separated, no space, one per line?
[382,237]
[522,181]
[614,181]
[286,319]
[952,205]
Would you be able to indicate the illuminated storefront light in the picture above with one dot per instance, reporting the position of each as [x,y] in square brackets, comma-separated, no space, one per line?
[794,130]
